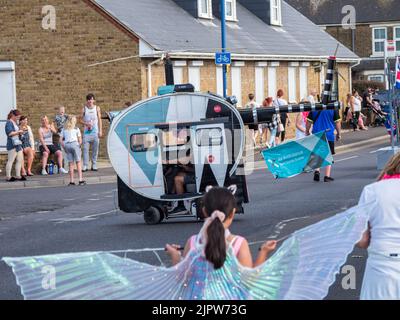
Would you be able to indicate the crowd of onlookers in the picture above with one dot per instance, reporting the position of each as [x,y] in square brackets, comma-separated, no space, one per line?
[61,139]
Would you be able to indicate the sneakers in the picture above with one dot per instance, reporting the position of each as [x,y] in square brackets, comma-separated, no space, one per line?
[94,168]
[44,172]
[62,170]
[84,169]
[328,179]
[316,176]
[178,209]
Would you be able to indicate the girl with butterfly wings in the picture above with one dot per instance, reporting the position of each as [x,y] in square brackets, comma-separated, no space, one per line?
[216,265]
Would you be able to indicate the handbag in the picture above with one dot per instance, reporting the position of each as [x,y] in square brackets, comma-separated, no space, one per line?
[281,127]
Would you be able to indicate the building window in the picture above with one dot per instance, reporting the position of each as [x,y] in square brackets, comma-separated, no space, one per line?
[204,9]
[8,99]
[237,84]
[376,77]
[220,85]
[272,82]
[230,9]
[276,12]
[396,38]
[292,84]
[303,83]
[379,36]
[194,77]
[142,142]
[260,96]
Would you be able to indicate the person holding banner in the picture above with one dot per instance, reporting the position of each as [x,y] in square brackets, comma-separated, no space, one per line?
[328,121]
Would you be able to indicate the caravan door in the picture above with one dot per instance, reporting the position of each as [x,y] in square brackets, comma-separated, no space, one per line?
[210,154]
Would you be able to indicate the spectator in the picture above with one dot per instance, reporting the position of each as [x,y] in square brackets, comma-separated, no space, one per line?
[355,104]
[47,147]
[301,122]
[326,121]
[71,141]
[93,131]
[382,272]
[312,98]
[271,126]
[279,102]
[367,101]
[59,120]
[252,104]
[28,146]
[14,147]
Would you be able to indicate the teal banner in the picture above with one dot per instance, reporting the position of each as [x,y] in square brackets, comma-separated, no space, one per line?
[296,157]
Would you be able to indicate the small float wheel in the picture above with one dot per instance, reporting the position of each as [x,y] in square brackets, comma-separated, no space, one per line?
[153,215]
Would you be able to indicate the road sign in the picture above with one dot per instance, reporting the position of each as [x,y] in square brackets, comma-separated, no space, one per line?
[223,58]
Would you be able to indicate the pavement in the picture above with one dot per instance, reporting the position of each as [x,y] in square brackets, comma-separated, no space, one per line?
[351,141]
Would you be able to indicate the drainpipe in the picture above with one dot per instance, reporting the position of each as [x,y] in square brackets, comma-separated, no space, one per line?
[351,73]
[149,78]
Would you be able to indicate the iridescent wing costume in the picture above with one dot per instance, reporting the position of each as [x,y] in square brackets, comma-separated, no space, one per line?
[304,267]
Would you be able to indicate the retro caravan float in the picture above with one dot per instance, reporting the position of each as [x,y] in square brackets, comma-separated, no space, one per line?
[192,137]
[169,149]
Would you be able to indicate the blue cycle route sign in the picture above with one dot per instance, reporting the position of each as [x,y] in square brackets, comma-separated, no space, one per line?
[222,58]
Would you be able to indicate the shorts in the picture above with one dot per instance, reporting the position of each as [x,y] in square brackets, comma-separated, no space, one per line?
[332,146]
[52,148]
[73,152]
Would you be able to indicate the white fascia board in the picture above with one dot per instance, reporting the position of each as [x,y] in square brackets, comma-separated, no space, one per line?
[253,57]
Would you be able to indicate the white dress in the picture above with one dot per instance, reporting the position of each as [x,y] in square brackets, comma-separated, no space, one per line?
[382,273]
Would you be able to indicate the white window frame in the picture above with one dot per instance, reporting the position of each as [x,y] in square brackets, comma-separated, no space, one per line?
[260,84]
[208,14]
[232,17]
[178,75]
[219,80]
[381,77]
[374,53]
[194,77]
[303,76]
[276,5]
[396,39]
[236,78]
[292,84]
[272,81]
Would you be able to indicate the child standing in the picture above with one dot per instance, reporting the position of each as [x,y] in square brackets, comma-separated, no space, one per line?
[71,140]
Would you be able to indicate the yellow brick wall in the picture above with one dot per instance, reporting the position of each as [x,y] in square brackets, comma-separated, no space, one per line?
[52,65]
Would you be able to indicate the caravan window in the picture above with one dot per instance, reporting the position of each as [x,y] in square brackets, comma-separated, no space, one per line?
[209,137]
[175,137]
[142,142]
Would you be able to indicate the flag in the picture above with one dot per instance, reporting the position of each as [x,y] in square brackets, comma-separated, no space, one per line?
[398,73]
[295,157]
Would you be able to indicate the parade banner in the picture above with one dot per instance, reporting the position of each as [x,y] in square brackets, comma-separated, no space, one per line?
[296,157]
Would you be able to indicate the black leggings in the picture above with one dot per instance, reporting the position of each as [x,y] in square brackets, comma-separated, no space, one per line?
[356,116]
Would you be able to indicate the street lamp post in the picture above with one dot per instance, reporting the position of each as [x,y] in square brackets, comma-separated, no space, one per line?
[223,40]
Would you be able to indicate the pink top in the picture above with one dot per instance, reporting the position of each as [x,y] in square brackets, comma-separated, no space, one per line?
[387,177]
[236,243]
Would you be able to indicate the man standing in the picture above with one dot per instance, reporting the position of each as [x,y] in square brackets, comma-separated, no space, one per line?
[367,106]
[252,104]
[93,131]
[327,121]
[312,98]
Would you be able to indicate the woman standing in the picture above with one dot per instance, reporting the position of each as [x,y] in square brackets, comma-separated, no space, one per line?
[46,145]
[278,102]
[14,147]
[271,126]
[382,273]
[71,141]
[355,104]
[28,146]
[301,121]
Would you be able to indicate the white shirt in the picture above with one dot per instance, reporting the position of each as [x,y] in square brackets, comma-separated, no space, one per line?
[311,99]
[280,102]
[71,135]
[385,218]
[357,104]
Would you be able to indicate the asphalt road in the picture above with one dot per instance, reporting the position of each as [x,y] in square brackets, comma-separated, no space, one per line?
[71,219]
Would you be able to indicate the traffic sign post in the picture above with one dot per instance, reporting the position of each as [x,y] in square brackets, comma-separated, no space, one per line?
[223,40]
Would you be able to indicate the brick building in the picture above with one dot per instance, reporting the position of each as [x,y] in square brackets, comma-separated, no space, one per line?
[376,21]
[54,52]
